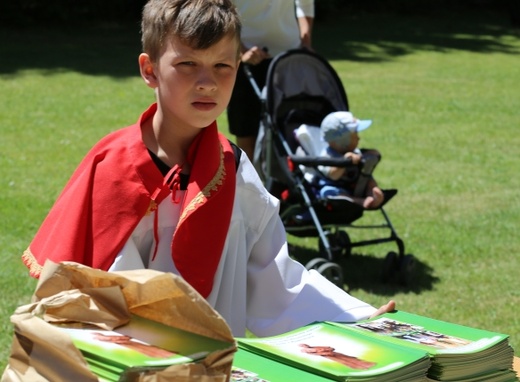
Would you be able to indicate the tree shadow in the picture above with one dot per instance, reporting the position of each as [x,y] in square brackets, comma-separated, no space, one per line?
[385,37]
[363,272]
[112,48]
[105,49]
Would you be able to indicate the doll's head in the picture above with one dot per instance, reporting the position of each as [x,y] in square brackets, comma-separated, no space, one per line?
[340,128]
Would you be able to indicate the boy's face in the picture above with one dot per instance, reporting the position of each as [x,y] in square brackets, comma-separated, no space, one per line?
[193,87]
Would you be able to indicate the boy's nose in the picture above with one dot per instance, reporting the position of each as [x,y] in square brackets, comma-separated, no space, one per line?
[206,81]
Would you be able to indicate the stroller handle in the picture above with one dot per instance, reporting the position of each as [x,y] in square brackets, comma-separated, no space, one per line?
[252,80]
[321,161]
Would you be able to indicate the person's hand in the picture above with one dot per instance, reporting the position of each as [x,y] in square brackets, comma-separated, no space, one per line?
[387,308]
[355,158]
[306,46]
[254,56]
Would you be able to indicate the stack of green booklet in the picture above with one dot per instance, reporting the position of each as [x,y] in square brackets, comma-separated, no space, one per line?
[140,346]
[251,367]
[393,347]
[330,351]
[458,353]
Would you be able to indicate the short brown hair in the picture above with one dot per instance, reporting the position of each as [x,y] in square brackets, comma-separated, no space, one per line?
[197,23]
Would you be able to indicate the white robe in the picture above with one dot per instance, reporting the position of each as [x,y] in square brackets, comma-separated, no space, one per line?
[257,285]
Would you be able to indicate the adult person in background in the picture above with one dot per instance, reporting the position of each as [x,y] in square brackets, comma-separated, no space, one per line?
[269,27]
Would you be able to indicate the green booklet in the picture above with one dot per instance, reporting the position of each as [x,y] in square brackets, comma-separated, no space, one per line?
[251,367]
[458,352]
[140,345]
[331,352]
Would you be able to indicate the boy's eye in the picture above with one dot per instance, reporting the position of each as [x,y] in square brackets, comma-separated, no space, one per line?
[224,67]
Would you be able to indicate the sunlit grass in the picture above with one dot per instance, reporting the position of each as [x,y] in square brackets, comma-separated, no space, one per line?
[445,119]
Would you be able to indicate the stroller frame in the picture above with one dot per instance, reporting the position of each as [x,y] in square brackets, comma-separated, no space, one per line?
[309,100]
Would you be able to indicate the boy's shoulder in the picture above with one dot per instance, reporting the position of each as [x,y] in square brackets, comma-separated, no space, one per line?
[238,153]
[120,135]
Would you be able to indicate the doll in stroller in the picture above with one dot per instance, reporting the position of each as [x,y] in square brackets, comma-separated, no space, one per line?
[340,137]
[338,175]
[301,90]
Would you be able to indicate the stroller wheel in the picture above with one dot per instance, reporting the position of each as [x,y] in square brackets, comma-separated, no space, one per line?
[332,272]
[406,269]
[315,263]
[390,266]
[344,242]
[338,241]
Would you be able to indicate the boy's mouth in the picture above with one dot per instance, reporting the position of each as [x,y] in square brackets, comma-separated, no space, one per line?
[204,106]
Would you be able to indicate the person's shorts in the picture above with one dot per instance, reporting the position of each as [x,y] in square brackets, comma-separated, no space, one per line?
[244,109]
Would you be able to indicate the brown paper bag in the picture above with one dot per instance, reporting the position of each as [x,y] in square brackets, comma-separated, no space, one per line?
[71,292]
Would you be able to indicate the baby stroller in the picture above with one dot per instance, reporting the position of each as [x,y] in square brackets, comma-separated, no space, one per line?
[301,89]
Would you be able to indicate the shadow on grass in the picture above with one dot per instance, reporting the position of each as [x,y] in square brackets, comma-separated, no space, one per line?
[107,49]
[384,37]
[363,272]
[111,49]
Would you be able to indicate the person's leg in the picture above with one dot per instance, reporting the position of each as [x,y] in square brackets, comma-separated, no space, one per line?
[371,158]
[327,191]
[245,108]
[375,196]
[338,193]
[248,145]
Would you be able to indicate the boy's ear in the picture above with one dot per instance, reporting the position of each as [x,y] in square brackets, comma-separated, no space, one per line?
[147,69]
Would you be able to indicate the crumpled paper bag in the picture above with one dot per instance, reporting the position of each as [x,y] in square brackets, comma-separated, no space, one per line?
[71,292]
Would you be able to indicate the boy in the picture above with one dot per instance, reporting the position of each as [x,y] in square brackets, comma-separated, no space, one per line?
[340,130]
[167,194]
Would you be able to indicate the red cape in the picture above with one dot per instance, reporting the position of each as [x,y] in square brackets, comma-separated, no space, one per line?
[112,189]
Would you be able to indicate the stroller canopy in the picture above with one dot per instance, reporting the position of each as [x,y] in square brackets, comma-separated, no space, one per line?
[302,80]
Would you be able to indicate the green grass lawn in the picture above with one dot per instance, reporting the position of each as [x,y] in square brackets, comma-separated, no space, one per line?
[444,95]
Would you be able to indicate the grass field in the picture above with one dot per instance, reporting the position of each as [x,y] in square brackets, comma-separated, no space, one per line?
[444,94]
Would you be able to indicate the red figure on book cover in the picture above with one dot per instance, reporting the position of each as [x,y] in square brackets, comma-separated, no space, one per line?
[330,353]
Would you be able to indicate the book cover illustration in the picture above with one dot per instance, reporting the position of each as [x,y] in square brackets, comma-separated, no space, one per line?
[140,345]
[458,352]
[251,367]
[123,351]
[433,336]
[329,351]
[243,375]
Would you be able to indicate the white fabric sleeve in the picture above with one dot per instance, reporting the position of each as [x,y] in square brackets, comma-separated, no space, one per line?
[283,295]
[325,170]
[128,258]
[304,8]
